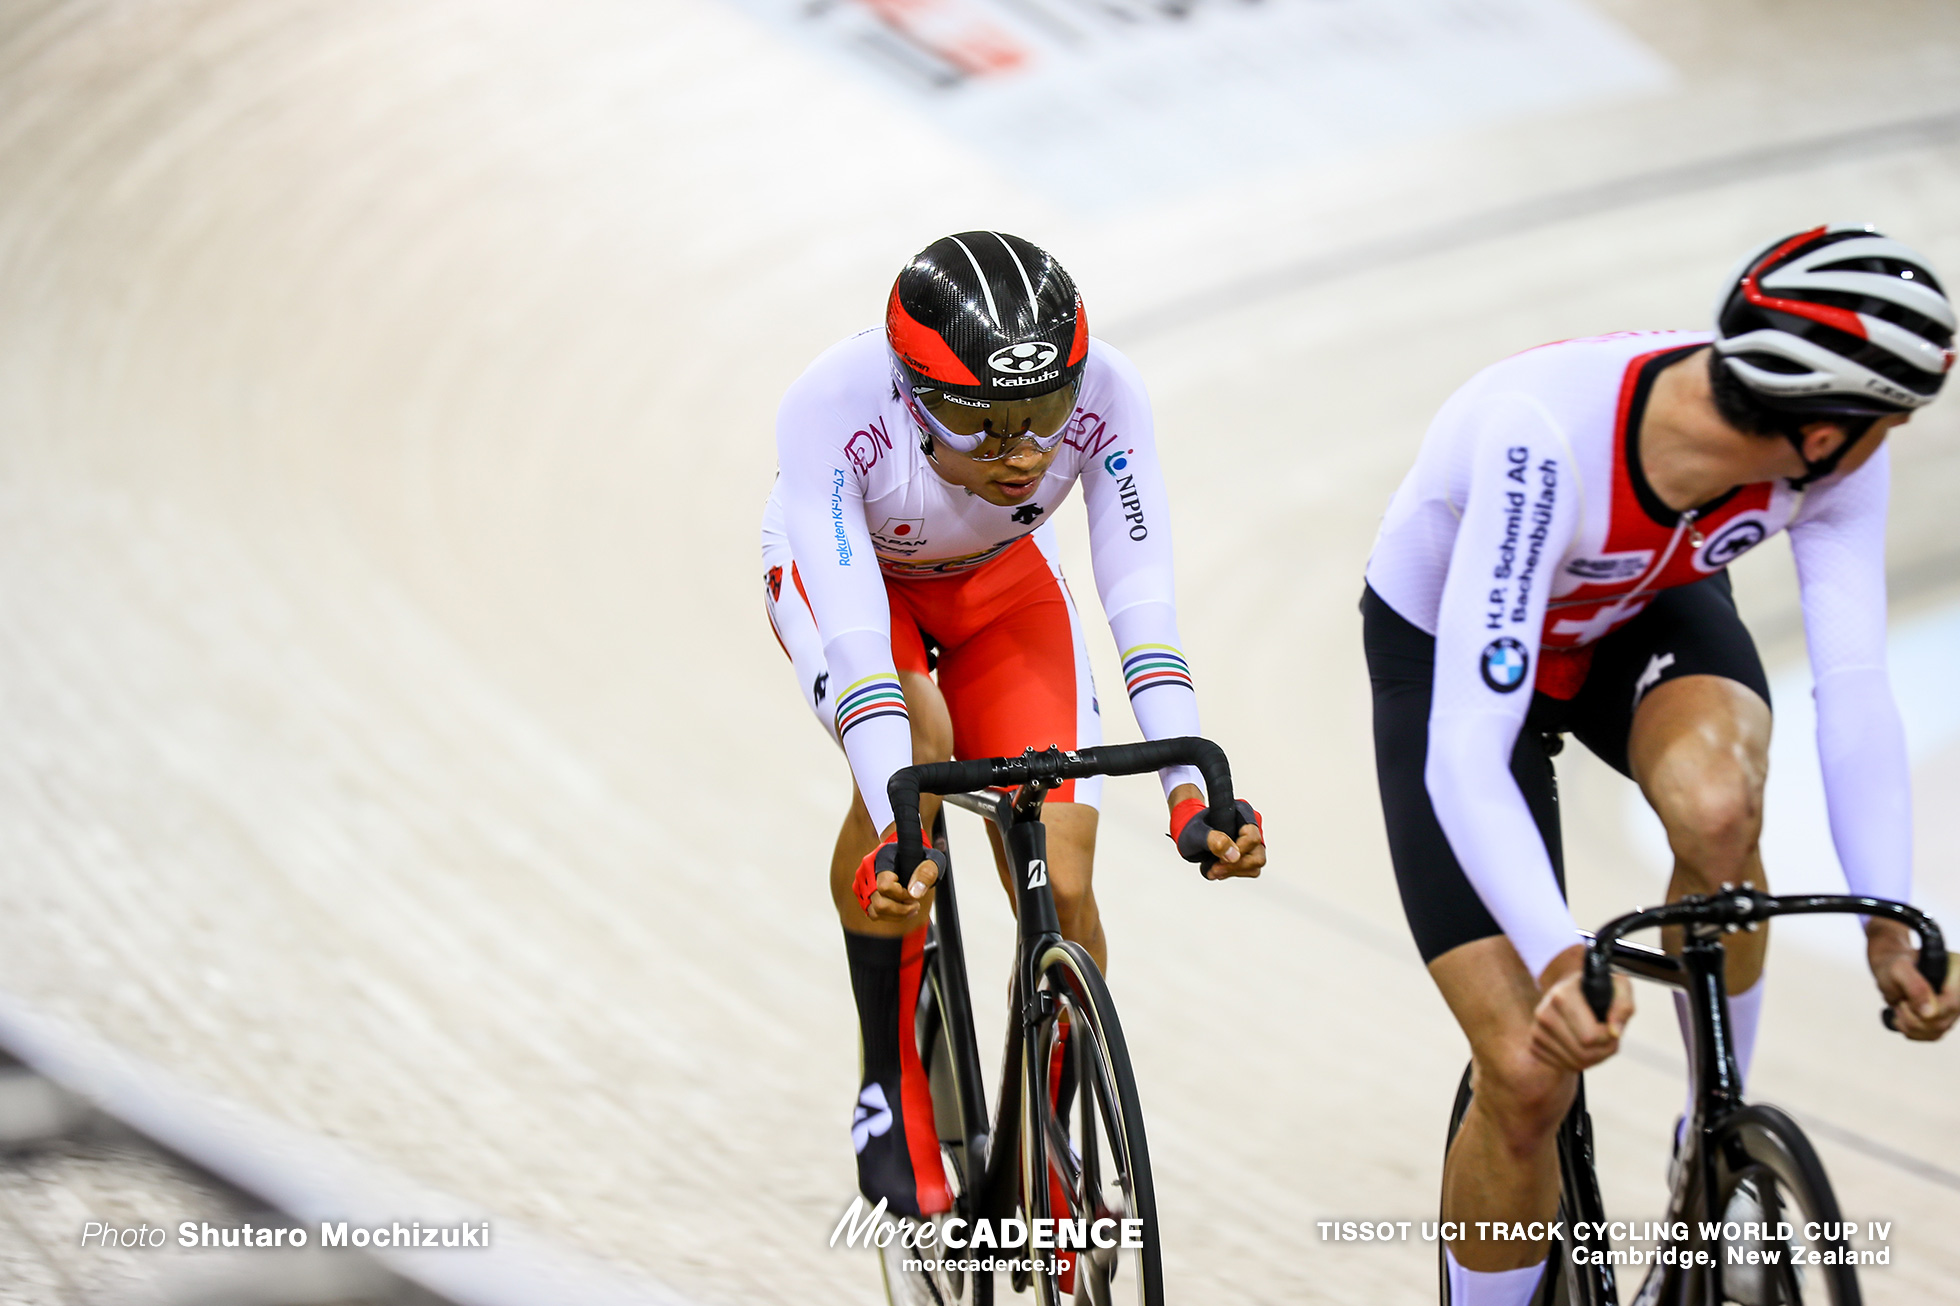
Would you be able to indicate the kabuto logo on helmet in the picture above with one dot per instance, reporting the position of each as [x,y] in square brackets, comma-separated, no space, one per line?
[1021,359]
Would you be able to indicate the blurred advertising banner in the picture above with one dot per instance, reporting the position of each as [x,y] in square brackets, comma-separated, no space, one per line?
[1118,100]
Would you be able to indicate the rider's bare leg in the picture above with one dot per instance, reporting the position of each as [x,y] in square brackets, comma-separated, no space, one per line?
[1503,1163]
[1699,749]
[932,741]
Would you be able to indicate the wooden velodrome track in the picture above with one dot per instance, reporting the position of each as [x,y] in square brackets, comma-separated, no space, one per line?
[390,734]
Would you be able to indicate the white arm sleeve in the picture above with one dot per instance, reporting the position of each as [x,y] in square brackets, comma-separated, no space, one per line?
[822,496]
[1838,538]
[1130,545]
[1519,514]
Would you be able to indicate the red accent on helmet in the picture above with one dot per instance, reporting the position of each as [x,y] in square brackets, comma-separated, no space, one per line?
[1079,348]
[1946,360]
[1843,319]
[921,348]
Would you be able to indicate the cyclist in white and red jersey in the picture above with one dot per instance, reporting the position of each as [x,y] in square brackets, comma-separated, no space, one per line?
[908,536]
[1554,563]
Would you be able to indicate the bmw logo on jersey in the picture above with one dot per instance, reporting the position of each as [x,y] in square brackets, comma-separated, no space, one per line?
[1504,664]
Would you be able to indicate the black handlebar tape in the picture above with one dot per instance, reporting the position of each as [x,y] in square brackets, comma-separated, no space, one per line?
[908,783]
[1597,983]
[1187,750]
[939,778]
[1932,954]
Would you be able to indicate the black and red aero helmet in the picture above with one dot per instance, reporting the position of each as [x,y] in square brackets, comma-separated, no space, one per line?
[1837,319]
[985,316]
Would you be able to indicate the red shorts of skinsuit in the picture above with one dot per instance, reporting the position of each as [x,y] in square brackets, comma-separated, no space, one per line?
[1003,641]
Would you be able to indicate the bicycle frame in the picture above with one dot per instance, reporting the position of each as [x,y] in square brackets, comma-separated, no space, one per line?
[1700,971]
[992,1153]
[1025,841]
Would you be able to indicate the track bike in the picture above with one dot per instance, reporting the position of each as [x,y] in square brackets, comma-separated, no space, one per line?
[1089,1184]
[1738,1164]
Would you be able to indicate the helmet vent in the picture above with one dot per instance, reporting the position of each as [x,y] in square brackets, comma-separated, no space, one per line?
[1890,267]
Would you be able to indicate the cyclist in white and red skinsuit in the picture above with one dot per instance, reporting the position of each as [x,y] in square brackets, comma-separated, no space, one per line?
[911,575]
[1555,563]
[857,502]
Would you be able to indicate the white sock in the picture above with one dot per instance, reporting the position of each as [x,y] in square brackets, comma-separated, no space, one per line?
[1745,1014]
[1491,1287]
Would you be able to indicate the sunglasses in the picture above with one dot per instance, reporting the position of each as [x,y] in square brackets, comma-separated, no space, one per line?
[966,427]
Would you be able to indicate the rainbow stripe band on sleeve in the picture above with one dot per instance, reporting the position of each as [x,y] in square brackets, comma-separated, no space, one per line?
[1149,666]
[867,700]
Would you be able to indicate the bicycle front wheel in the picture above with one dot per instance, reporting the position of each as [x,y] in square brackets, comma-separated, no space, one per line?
[1087,1169]
[1767,1174]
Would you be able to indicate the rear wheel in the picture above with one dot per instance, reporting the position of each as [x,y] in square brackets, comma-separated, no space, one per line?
[1088,1164]
[1767,1173]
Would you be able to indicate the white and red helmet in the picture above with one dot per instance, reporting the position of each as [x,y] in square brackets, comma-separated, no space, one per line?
[1837,319]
